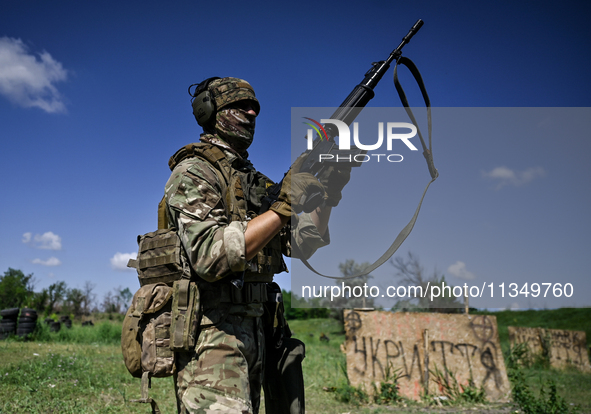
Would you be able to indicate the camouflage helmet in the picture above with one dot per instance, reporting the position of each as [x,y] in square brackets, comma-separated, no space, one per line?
[228,90]
[214,94]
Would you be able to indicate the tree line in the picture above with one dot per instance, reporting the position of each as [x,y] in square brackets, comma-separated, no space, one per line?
[17,290]
[408,271]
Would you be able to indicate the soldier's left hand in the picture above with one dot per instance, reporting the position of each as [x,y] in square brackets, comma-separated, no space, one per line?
[334,180]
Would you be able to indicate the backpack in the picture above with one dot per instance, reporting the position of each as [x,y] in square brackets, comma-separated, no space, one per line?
[164,315]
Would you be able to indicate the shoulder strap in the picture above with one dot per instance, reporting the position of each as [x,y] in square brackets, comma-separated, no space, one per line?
[162,216]
[202,149]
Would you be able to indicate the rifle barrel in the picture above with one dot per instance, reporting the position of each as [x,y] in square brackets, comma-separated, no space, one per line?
[363,93]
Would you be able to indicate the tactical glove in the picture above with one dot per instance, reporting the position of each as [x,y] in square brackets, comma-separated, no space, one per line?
[334,180]
[299,192]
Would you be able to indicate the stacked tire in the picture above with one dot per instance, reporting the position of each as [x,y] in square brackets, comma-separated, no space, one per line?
[55,326]
[66,321]
[8,322]
[27,322]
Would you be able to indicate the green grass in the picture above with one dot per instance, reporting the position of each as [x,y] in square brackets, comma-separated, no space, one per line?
[572,384]
[76,370]
[80,370]
[62,378]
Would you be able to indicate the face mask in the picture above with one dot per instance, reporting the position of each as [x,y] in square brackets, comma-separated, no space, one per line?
[235,127]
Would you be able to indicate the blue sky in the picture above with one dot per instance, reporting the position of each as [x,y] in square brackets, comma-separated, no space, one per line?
[93,102]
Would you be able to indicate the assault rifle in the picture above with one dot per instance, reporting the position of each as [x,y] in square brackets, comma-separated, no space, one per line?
[346,112]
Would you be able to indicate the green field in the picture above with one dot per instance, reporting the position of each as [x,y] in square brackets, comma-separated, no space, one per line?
[80,370]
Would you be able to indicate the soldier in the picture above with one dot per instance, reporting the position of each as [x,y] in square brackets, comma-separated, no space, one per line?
[212,198]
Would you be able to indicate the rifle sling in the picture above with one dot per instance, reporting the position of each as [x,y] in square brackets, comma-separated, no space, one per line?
[427,153]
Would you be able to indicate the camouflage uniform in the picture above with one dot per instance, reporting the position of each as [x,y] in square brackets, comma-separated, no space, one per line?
[224,373]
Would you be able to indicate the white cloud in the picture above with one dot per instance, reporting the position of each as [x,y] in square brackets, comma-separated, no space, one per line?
[52,261]
[28,79]
[506,176]
[458,269]
[119,261]
[48,240]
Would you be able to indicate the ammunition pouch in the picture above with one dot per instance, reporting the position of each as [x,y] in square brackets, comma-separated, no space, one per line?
[161,258]
[186,315]
[284,380]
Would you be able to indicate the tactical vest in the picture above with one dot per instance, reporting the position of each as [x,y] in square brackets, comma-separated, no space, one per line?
[243,190]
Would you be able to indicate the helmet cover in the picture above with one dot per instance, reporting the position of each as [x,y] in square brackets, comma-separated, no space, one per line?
[229,90]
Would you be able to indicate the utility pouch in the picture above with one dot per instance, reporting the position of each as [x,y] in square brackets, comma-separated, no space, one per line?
[284,378]
[186,315]
[160,258]
[145,337]
[160,321]
[276,328]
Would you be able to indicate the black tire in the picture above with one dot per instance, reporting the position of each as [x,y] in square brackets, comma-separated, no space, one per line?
[8,325]
[8,322]
[27,320]
[7,331]
[49,321]
[11,313]
[27,325]
[26,329]
[28,313]
[55,327]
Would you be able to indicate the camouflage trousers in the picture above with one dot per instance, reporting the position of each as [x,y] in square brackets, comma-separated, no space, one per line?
[225,372]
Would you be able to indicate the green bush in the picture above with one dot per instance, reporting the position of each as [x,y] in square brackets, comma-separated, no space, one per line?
[102,333]
[388,393]
[548,402]
[351,395]
[456,392]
